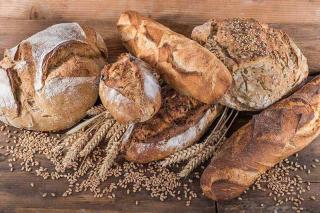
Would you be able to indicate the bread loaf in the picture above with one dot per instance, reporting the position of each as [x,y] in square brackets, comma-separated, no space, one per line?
[180,122]
[184,64]
[264,62]
[50,80]
[129,91]
[271,136]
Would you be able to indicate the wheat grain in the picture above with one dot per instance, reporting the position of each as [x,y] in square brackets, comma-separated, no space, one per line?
[95,110]
[112,151]
[97,137]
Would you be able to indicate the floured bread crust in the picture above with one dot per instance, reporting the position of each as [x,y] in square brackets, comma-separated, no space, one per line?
[180,122]
[129,90]
[269,137]
[51,78]
[264,62]
[182,63]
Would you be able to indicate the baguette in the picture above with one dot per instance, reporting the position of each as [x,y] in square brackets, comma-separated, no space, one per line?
[269,137]
[179,123]
[184,64]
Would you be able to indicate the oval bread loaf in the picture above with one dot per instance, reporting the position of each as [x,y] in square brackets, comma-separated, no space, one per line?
[50,80]
[180,122]
[182,63]
[271,136]
[129,91]
[264,62]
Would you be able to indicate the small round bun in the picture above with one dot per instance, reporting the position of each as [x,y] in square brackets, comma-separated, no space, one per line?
[129,90]
[50,80]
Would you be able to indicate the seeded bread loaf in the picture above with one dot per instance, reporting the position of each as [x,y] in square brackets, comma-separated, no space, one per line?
[264,62]
[129,91]
[183,63]
[50,80]
[271,136]
[180,122]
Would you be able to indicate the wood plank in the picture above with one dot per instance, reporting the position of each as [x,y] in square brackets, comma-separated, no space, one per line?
[307,36]
[184,11]
[16,195]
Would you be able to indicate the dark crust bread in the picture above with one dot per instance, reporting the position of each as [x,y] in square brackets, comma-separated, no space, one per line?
[183,63]
[180,122]
[264,62]
[271,136]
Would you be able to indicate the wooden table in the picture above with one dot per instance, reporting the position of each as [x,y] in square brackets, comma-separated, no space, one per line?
[20,19]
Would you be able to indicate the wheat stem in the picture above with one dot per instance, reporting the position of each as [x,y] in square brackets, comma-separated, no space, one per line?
[97,137]
[112,151]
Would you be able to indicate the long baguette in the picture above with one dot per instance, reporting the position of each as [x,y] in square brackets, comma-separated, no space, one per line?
[184,64]
[271,136]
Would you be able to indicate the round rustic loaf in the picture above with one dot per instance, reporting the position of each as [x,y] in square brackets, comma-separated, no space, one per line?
[265,63]
[50,80]
[129,90]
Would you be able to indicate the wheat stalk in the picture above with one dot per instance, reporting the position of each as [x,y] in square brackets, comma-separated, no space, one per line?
[87,123]
[182,155]
[97,137]
[74,150]
[214,140]
[204,155]
[95,110]
[112,151]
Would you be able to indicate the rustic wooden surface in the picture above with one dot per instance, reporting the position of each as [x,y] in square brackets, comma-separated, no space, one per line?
[20,19]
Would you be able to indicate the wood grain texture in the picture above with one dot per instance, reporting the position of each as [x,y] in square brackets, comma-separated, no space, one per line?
[306,36]
[20,19]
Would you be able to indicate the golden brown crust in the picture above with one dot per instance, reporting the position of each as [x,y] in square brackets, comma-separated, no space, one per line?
[180,122]
[53,77]
[271,136]
[129,90]
[184,64]
[265,63]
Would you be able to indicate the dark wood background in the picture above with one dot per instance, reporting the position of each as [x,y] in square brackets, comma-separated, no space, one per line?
[20,19]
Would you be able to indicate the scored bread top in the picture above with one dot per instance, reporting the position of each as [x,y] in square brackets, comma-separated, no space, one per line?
[180,122]
[47,74]
[264,62]
[129,90]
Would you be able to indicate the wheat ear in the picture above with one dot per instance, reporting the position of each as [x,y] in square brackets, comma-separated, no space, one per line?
[214,141]
[97,137]
[182,155]
[197,160]
[95,110]
[74,150]
[112,151]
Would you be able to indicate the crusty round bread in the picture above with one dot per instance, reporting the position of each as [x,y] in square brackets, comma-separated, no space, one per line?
[265,63]
[50,80]
[182,63]
[129,91]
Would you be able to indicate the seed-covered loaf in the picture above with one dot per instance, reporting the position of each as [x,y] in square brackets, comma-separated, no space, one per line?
[183,63]
[271,136]
[50,80]
[129,91]
[264,62]
[180,122]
